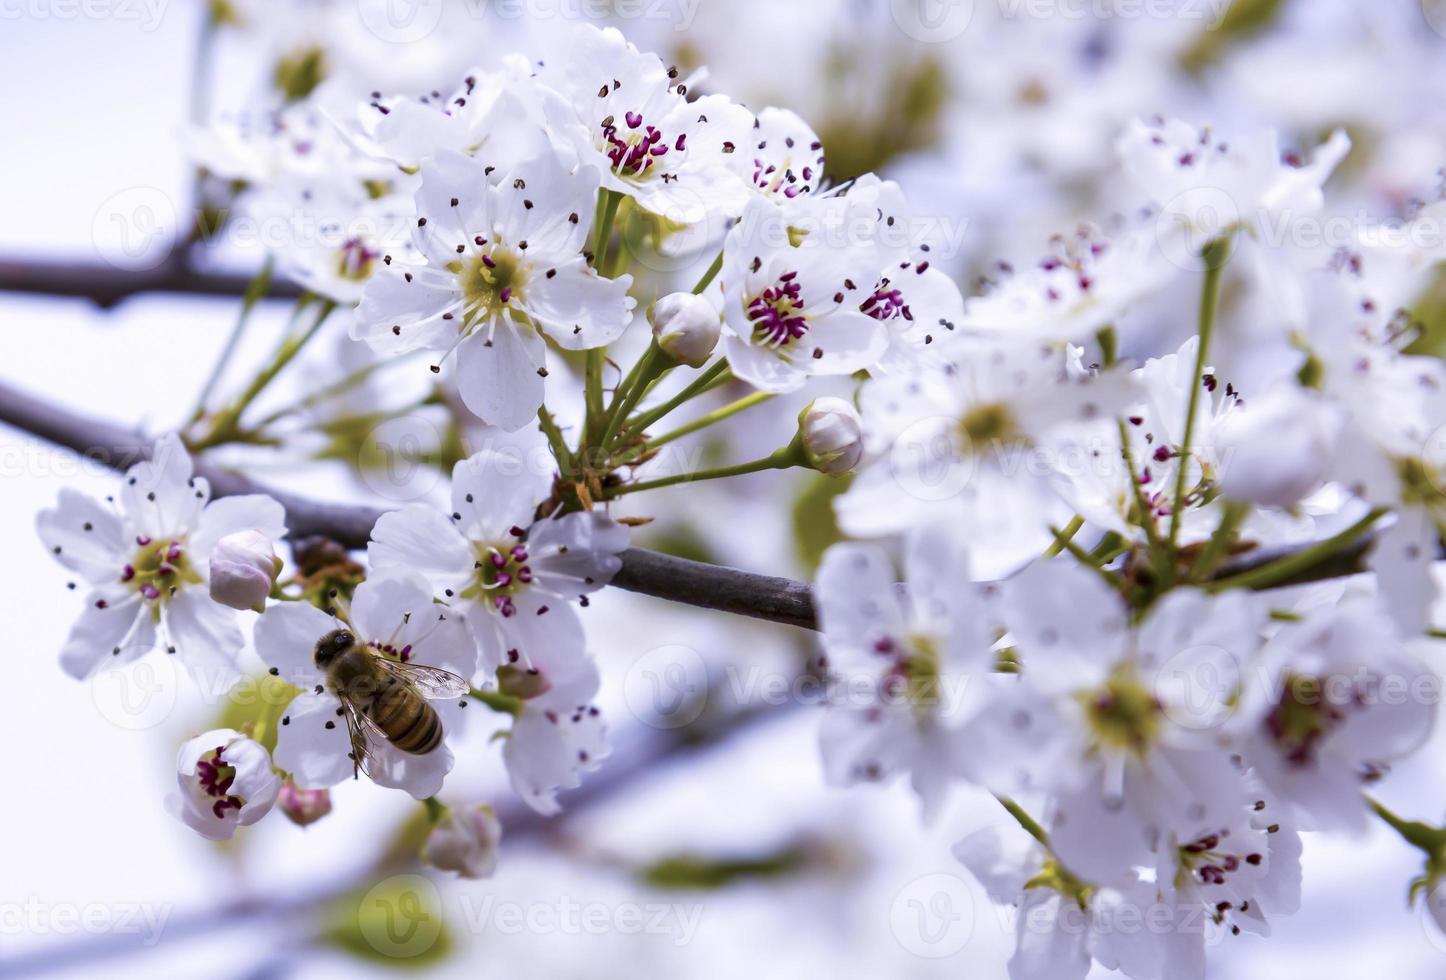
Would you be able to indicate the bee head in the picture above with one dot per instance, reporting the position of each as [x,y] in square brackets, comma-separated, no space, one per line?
[333,645]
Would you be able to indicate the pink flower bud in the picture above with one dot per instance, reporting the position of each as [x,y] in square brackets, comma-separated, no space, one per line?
[243,568]
[303,807]
[465,841]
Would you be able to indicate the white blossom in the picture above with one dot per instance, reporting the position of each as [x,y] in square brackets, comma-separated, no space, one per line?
[224,782]
[146,555]
[503,274]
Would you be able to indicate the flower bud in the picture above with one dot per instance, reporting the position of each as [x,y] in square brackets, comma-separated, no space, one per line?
[465,841]
[225,782]
[243,568]
[686,327]
[832,434]
[1277,449]
[303,806]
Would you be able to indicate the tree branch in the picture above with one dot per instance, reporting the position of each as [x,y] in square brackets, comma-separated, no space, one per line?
[694,583]
[107,285]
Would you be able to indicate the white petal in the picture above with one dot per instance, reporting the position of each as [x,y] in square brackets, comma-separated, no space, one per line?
[842,343]
[385,603]
[540,211]
[500,383]
[422,539]
[158,494]
[85,536]
[205,634]
[577,553]
[397,315]
[107,637]
[858,604]
[504,490]
[312,743]
[1065,620]
[231,514]
[420,775]
[286,636]
[545,632]
[548,749]
[761,367]
[578,308]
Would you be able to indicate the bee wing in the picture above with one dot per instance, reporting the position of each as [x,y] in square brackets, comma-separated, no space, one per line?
[362,731]
[432,683]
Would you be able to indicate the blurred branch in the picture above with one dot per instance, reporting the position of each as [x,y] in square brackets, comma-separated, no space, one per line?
[693,583]
[107,285]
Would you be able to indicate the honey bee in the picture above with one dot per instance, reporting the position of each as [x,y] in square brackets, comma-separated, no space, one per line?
[384,699]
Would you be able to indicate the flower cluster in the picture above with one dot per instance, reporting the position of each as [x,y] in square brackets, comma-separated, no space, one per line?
[1161,584]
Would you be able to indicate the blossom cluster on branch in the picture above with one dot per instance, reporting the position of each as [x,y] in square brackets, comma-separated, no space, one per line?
[1056,491]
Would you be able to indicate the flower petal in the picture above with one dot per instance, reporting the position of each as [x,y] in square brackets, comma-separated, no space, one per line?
[312,743]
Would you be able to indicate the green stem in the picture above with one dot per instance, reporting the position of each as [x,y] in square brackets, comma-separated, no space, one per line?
[331,391]
[608,202]
[227,425]
[257,289]
[436,809]
[789,456]
[1219,545]
[555,439]
[716,375]
[712,418]
[1070,530]
[652,365]
[592,395]
[710,275]
[1025,820]
[1215,256]
[1415,833]
[1084,557]
[1290,566]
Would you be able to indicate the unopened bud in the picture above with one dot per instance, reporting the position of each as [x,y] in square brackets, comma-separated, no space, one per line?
[832,434]
[686,327]
[465,841]
[303,806]
[243,568]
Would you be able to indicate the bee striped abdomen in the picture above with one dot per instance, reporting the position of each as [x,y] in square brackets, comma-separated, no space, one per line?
[409,722]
